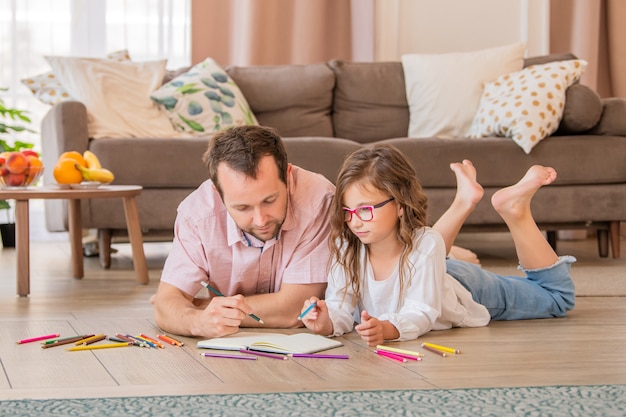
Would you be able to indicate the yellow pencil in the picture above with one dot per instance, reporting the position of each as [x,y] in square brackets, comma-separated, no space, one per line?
[91,339]
[442,348]
[406,352]
[103,346]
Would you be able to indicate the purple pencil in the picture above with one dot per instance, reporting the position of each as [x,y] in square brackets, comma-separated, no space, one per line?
[267,355]
[226,355]
[318,355]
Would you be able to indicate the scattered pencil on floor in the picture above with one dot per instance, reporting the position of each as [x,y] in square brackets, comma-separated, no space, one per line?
[433,350]
[442,348]
[103,346]
[170,340]
[37,338]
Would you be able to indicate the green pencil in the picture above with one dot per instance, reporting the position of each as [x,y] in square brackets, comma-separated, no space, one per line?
[219,294]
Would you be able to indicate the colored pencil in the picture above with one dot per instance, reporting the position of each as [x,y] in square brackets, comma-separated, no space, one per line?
[228,356]
[49,342]
[318,355]
[306,311]
[37,338]
[92,339]
[149,343]
[390,355]
[219,294]
[170,340]
[433,350]
[404,355]
[132,340]
[396,350]
[103,346]
[267,355]
[149,339]
[442,348]
[65,341]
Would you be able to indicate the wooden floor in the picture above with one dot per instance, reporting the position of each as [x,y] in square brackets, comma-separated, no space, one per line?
[587,347]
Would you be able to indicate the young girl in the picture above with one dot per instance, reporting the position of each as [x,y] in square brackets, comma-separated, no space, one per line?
[388,269]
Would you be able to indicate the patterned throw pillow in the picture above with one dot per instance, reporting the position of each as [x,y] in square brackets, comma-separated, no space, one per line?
[48,89]
[526,105]
[204,100]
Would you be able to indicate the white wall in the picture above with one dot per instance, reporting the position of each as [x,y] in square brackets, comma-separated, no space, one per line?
[439,26]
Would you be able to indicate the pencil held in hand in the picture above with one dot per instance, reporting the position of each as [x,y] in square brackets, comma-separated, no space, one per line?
[306,311]
[219,294]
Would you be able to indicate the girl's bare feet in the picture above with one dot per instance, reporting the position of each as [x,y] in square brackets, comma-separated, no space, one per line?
[468,190]
[513,202]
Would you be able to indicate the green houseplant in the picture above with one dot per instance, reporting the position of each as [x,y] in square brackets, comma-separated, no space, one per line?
[11,121]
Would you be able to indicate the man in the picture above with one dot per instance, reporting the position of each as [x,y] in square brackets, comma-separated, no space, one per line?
[256,231]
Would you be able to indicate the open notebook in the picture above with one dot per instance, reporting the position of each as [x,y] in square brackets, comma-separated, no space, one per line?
[272,342]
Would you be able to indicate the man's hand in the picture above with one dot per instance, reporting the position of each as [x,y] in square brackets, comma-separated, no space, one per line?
[222,316]
[176,312]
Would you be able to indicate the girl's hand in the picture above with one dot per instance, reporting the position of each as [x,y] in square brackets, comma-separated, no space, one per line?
[317,319]
[371,329]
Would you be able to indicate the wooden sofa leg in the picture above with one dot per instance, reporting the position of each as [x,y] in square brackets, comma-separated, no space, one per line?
[615,239]
[104,247]
[603,242]
[551,237]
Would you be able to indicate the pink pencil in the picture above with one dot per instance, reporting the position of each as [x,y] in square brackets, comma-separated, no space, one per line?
[390,355]
[36,339]
[318,355]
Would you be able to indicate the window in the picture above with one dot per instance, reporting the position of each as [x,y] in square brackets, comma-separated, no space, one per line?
[32,29]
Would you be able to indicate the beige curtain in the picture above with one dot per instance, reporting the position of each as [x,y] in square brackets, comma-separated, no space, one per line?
[274,32]
[593,30]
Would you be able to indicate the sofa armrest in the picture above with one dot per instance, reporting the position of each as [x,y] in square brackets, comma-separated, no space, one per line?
[63,128]
[613,119]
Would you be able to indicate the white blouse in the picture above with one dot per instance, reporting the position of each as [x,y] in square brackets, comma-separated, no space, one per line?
[433,300]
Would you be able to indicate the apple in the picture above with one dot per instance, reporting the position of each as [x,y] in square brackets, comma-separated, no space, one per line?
[15,180]
[27,152]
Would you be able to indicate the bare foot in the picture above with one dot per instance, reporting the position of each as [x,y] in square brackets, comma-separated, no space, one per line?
[462,254]
[513,202]
[468,190]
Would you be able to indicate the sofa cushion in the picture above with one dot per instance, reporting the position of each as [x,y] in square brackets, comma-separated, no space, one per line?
[203,100]
[580,159]
[296,100]
[544,59]
[116,95]
[48,89]
[613,119]
[443,90]
[526,105]
[583,109]
[154,162]
[377,111]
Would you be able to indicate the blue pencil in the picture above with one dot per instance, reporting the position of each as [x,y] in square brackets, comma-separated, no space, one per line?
[306,311]
[219,294]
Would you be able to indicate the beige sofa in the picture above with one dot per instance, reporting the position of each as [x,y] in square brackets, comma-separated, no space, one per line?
[327,110]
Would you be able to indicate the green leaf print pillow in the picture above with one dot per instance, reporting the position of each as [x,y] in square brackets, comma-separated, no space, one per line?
[204,100]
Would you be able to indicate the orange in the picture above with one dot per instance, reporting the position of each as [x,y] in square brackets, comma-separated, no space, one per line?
[35,166]
[65,172]
[76,156]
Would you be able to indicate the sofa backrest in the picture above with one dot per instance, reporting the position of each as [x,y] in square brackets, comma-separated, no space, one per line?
[294,99]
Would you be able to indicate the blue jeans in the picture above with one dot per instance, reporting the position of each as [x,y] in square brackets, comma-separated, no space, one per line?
[544,293]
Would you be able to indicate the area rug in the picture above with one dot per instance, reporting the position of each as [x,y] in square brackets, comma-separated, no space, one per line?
[587,401]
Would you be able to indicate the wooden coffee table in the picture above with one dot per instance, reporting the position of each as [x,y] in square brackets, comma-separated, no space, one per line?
[73,196]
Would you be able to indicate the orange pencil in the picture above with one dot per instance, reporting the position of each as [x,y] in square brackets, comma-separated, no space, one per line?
[149,339]
[169,340]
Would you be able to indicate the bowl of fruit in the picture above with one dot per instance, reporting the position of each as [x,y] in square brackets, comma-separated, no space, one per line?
[20,169]
[80,171]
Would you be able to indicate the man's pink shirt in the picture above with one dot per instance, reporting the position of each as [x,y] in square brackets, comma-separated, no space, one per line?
[208,245]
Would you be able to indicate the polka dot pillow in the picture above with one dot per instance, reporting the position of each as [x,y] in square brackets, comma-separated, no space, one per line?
[48,89]
[526,105]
